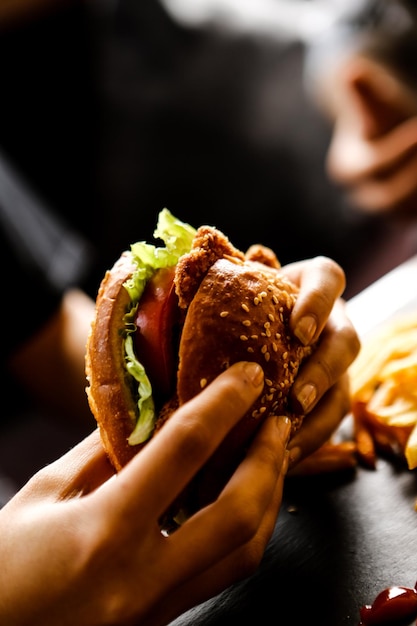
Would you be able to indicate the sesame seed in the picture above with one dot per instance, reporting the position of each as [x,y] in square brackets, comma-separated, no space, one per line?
[264,348]
[203,383]
[275,298]
[246,322]
[285,355]
[224,313]
[267,356]
[251,350]
[262,409]
[268,333]
[255,337]
[274,346]
[267,324]
[271,317]
[263,294]
[256,301]
[268,382]
[244,337]
[245,307]
[278,336]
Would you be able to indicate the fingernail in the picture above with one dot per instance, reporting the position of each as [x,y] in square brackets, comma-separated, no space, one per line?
[284,428]
[306,329]
[255,373]
[307,396]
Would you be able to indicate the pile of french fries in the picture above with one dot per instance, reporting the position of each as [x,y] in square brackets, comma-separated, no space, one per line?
[384,392]
[383,382]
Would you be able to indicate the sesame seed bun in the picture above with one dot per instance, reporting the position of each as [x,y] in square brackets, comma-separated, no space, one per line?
[240,312]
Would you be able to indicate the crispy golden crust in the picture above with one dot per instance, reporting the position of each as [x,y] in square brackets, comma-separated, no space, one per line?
[209,245]
[241,312]
[109,391]
[262,254]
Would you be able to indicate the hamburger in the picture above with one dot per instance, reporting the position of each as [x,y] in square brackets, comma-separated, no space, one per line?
[168,320]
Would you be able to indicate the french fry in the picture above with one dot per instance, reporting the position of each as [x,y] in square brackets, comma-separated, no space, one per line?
[365,444]
[411,449]
[331,457]
[384,392]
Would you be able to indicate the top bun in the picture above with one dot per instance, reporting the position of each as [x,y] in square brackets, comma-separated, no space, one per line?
[241,312]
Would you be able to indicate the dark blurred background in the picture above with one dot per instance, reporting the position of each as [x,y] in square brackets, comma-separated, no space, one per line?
[113,110]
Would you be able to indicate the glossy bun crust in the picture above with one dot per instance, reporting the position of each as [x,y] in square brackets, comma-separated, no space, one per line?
[240,312]
[109,389]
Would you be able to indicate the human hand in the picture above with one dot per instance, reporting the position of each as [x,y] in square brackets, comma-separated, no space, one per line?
[321,387]
[373,150]
[83,546]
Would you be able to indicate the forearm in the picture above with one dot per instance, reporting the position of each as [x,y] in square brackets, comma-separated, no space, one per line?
[51,365]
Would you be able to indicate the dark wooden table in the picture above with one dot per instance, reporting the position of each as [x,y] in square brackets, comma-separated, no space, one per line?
[338,542]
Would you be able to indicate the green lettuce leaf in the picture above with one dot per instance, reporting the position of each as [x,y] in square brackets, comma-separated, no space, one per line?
[177,237]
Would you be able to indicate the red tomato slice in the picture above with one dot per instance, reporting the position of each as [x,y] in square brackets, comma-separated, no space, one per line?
[157,316]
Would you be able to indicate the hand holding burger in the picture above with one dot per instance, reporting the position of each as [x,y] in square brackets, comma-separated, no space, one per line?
[170,319]
[103,539]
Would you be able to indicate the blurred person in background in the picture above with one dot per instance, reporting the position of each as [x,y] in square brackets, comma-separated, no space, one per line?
[362,73]
[119,109]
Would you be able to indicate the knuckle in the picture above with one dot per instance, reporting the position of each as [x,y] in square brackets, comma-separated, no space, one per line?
[346,341]
[194,439]
[352,341]
[329,267]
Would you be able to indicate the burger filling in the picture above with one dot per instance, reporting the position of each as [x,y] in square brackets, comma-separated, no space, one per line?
[150,326]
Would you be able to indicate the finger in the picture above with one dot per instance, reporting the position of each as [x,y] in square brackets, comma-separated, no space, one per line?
[321,282]
[321,423]
[78,472]
[236,566]
[249,502]
[353,158]
[156,476]
[390,190]
[338,346]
